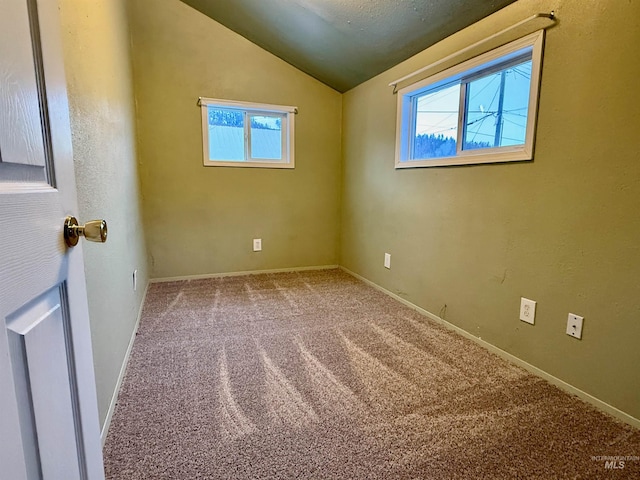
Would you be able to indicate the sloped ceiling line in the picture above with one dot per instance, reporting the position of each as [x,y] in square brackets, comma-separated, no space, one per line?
[343,43]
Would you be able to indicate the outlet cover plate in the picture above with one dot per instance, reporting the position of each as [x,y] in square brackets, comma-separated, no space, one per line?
[257,244]
[574,325]
[387,260]
[527,310]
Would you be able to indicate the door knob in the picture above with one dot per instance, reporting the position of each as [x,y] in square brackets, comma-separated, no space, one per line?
[94,231]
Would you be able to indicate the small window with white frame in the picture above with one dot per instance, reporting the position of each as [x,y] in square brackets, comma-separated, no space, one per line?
[480,111]
[244,134]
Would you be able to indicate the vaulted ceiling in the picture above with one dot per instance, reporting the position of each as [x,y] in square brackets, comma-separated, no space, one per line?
[346,42]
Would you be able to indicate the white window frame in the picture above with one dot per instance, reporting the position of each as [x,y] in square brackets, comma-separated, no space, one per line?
[287,113]
[405,125]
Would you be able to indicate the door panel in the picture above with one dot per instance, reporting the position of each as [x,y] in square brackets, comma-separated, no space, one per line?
[22,156]
[48,410]
[41,353]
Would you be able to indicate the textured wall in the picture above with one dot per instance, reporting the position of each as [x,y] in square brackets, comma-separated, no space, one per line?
[468,242]
[97,61]
[201,220]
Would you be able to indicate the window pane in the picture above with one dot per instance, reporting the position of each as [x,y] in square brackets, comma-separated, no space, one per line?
[226,134]
[497,108]
[266,137]
[437,123]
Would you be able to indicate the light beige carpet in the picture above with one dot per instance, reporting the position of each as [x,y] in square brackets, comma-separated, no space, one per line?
[315,375]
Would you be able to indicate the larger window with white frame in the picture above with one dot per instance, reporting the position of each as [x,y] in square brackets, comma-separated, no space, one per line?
[480,111]
[243,134]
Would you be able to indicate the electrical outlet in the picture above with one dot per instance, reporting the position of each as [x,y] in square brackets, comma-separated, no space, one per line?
[257,244]
[574,325]
[387,260]
[135,279]
[527,310]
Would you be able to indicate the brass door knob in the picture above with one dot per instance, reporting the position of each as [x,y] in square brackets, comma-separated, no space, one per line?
[94,231]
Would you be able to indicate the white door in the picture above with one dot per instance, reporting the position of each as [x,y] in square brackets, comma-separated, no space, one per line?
[48,412]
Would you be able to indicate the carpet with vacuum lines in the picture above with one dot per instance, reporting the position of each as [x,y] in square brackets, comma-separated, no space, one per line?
[316,375]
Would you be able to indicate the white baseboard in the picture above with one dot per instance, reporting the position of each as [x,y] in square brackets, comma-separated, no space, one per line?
[123,370]
[596,402]
[237,274]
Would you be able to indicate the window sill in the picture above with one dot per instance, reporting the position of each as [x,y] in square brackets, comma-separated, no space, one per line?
[518,155]
[250,164]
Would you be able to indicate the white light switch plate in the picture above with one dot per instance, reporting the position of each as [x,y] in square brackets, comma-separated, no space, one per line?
[527,310]
[574,325]
[257,244]
[387,260]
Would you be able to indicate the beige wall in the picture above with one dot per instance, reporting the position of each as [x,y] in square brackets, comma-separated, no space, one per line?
[201,220]
[467,242]
[97,61]
[564,230]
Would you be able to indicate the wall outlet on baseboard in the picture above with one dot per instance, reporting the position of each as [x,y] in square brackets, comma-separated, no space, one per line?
[257,244]
[527,310]
[387,260]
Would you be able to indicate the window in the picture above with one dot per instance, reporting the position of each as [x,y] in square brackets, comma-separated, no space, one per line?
[480,111]
[242,134]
